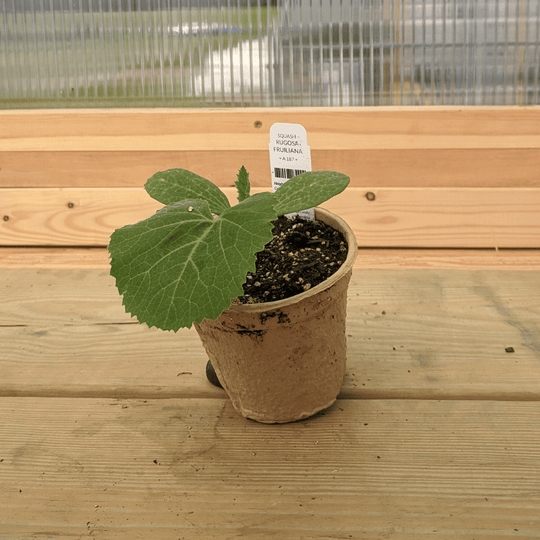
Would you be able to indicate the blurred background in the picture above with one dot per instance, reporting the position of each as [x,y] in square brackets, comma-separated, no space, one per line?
[226,53]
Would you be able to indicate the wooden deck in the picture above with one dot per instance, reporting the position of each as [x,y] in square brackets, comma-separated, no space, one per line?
[111,430]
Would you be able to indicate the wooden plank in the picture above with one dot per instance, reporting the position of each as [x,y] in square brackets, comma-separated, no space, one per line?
[451,167]
[67,258]
[80,258]
[77,217]
[170,469]
[397,217]
[420,334]
[438,259]
[442,218]
[380,147]
[214,129]
[188,141]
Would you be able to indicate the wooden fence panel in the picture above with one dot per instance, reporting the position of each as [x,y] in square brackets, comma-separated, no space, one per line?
[380,147]
[440,177]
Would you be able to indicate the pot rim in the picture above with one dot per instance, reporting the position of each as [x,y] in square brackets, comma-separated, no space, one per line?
[337,223]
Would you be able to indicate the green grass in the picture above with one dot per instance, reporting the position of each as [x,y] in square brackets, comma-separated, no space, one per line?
[91,59]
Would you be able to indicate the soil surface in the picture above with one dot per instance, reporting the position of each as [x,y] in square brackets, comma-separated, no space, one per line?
[301,255]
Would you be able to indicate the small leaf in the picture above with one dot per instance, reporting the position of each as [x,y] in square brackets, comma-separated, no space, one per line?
[176,185]
[242,184]
[308,190]
[180,265]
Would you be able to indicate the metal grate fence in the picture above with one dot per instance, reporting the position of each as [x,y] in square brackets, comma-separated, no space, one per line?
[195,53]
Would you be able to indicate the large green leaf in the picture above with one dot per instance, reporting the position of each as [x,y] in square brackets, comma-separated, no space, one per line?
[175,185]
[180,265]
[308,190]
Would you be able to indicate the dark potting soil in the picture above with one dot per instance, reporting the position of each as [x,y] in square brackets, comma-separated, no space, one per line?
[301,255]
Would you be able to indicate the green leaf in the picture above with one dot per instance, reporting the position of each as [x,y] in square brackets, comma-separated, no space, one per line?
[308,190]
[180,265]
[175,185]
[242,184]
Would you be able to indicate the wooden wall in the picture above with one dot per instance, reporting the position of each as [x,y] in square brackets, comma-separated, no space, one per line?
[441,177]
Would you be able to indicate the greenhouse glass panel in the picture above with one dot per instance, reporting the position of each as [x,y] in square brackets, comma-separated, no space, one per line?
[224,53]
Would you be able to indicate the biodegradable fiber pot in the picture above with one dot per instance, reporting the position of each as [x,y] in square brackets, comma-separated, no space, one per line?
[283,361]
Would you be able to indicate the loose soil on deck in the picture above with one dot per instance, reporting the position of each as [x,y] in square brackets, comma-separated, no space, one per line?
[301,255]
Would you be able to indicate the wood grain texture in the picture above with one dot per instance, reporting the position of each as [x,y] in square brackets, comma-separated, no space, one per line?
[170,469]
[486,259]
[446,259]
[398,217]
[419,334]
[49,217]
[380,147]
[416,167]
[330,128]
[46,257]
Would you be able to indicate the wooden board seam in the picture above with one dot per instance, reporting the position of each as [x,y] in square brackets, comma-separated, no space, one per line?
[158,392]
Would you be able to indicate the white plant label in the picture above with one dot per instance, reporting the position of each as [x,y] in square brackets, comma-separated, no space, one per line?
[290,156]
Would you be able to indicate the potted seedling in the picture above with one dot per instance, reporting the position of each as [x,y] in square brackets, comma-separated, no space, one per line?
[189,263]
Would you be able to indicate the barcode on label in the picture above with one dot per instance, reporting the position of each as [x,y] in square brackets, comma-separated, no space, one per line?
[287,173]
